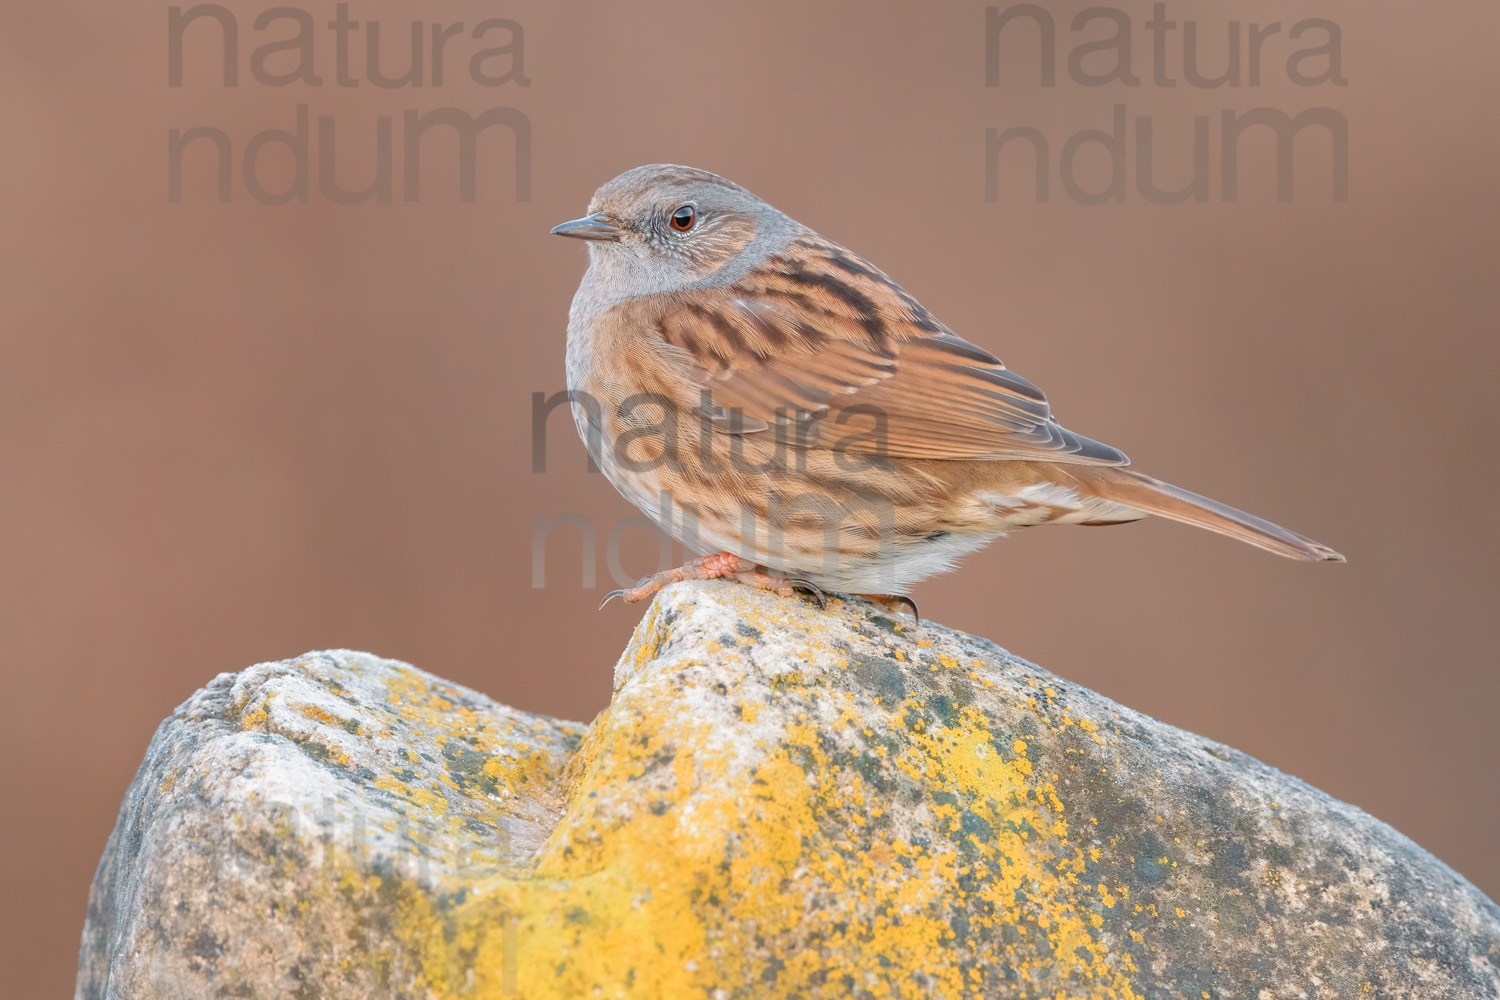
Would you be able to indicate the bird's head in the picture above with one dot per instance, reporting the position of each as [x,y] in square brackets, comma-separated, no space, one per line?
[665,228]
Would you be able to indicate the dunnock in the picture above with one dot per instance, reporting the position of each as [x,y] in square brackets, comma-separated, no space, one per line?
[778,402]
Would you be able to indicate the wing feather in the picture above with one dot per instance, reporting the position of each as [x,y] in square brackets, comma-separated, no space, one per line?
[822,336]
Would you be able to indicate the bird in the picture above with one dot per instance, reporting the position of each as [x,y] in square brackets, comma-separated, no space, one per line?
[800,422]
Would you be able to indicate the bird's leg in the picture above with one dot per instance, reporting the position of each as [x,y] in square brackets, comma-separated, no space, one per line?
[891,602]
[722,566]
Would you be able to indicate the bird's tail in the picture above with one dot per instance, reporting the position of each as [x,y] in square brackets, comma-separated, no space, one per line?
[1152,496]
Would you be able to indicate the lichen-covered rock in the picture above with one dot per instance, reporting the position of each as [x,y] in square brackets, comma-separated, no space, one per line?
[779,802]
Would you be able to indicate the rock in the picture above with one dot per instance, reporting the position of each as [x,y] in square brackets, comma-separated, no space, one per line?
[779,801]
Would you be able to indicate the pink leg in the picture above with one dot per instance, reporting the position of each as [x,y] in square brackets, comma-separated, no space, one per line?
[722,566]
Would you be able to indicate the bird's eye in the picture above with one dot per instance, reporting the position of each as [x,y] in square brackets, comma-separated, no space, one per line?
[683,218]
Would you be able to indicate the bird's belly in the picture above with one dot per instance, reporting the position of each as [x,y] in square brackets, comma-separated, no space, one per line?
[855,544]
[879,529]
[840,558]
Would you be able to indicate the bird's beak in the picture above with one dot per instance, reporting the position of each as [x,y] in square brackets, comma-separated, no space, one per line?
[591,227]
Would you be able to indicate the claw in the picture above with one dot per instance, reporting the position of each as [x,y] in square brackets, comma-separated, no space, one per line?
[813,590]
[903,599]
[610,597]
[889,602]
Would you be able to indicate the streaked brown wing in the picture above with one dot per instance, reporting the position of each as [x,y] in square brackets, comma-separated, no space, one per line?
[820,335]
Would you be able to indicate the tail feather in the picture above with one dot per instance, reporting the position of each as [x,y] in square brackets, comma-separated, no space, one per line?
[1152,496]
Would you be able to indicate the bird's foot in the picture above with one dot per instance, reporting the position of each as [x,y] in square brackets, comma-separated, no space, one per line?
[722,566]
[892,602]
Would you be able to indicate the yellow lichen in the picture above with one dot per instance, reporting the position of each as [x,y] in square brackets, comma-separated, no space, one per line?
[610,880]
[684,863]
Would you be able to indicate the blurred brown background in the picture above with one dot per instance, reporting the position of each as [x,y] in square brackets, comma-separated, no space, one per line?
[234,432]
